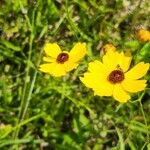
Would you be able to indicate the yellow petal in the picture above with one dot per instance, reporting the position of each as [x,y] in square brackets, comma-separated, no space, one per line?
[111,59]
[52,49]
[115,59]
[96,79]
[104,89]
[88,80]
[119,94]
[133,85]
[46,67]
[138,71]
[97,67]
[49,59]
[77,52]
[125,61]
[100,87]
[54,69]
[69,66]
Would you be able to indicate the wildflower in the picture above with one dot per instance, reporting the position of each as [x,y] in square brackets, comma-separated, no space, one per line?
[59,62]
[112,76]
[109,47]
[144,35]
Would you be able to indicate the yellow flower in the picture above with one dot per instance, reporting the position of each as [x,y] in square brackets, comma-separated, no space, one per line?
[144,35]
[59,62]
[109,47]
[111,77]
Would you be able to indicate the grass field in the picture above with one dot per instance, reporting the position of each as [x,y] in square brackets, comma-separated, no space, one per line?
[42,112]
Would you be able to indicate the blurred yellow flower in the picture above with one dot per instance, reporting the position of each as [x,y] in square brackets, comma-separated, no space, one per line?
[111,77]
[109,47]
[59,62]
[144,35]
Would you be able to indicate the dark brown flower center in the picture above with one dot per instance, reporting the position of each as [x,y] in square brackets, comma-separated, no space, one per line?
[62,57]
[116,76]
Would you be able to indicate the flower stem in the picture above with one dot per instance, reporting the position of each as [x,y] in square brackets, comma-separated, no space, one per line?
[144,117]
[145,121]
[28,87]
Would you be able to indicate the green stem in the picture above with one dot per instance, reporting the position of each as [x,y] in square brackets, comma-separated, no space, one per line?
[26,94]
[144,117]
[143,114]
[25,98]
[145,121]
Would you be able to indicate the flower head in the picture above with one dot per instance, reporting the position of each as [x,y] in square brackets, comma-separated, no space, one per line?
[109,47]
[59,62]
[112,76]
[144,35]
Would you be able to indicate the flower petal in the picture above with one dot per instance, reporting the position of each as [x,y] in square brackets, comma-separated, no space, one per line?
[133,85]
[125,61]
[88,80]
[96,79]
[138,71]
[46,67]
[52,49]
[114,59]
[100,86]
[97,67]
[77,52]
[69,66]
[53,69]
[119,94]
[104,89]
[49,59]
[111,59]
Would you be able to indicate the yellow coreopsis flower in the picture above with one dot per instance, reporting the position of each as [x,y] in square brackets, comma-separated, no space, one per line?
[112,76]
[59,62]
[144,35]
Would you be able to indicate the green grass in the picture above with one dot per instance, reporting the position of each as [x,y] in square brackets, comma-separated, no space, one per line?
[41,112]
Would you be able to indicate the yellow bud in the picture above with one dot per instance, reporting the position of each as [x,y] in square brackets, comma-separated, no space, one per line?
[144,35]
[109,47]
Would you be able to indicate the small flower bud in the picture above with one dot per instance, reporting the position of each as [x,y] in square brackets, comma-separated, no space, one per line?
[109,47]
[144,35]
